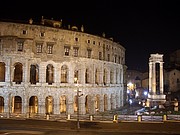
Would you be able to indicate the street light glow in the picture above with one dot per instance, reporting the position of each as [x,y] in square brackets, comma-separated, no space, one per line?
[145,93]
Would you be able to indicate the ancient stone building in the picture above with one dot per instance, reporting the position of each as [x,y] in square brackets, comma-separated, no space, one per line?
[156,94]
[38,64]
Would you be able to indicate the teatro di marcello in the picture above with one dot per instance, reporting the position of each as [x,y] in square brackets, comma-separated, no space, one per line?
[43,65]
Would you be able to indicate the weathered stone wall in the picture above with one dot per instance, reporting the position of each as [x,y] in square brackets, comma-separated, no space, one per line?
[109,95]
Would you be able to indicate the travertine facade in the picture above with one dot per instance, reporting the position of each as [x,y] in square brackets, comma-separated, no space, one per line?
[38,65]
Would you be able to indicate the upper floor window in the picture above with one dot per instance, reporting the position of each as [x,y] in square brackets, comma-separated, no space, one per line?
[66,50]
[76,39]
[39,48]
[94,42]
[24,32]
[42,34]
[76,51]
[88,41]
[20,46]
[49,48]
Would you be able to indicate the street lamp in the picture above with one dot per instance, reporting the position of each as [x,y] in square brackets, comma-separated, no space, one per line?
[76,80]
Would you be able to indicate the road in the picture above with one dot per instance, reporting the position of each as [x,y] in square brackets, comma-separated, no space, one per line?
[46,127]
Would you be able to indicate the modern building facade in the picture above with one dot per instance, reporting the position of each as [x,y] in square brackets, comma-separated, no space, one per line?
[39,62]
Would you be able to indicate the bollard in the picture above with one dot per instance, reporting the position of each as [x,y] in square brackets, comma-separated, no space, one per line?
[69,117]
[164,117]
[91,118]
[139,118]
[47,116]
[27,115]
[115,119]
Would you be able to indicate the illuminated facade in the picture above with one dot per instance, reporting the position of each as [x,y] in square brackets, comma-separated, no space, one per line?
[39,62]
[156,80]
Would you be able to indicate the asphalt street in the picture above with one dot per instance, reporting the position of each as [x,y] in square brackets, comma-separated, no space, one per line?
[46,127]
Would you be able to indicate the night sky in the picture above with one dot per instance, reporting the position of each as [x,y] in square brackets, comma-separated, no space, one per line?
[143,27]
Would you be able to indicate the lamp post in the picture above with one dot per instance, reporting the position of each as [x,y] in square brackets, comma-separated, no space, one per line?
[78,124]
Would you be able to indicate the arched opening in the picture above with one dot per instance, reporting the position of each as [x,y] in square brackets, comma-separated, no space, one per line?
[76,76]
[75,103]
[97,103]
[105,77]
[49,74]
[63,104]
[49,105]
[111,77]
[97,76]
[34,74]
[18,73]
[1,104]
[105,102]
[64,74]
[17,104]
[2,72]
[87,76]
[87,103]
[33,104]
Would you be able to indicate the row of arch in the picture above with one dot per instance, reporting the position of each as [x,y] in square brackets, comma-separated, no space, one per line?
[108,76]
[16,104]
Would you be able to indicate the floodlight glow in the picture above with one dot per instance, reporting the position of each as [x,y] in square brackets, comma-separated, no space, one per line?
[145,93]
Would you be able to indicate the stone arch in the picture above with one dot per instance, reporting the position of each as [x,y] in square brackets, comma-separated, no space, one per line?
[49,104]
[87,104]
[105,75]
[64,74]
[17,106]
[50,74]
[63,104]
[75,103]
[76,75]
[111,76]
[88,76]
[34,73]
[97,76]
[117,75]
[18,73]
[33,104]
[2,71]
[1,104]
[105,102]
[97,103]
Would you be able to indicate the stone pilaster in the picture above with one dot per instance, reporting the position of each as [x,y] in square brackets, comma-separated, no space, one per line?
[150,77]
[82,109]
[154,78]
[161,78]
[41,106]
[70,108]
[101,103]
